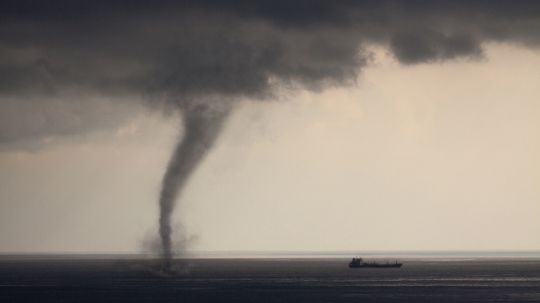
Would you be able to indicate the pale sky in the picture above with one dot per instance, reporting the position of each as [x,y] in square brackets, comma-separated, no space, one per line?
[439,156]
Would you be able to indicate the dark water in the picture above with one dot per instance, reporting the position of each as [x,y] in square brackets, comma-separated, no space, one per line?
[268,280]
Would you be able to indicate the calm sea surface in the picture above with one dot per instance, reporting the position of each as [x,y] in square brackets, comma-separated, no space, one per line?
[30,279]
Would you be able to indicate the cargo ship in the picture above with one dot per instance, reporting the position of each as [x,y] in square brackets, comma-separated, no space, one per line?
[359,263]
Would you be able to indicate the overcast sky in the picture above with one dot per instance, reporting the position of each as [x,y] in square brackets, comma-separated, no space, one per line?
[345,126]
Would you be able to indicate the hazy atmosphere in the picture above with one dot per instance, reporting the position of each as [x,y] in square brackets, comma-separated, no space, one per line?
[369,126]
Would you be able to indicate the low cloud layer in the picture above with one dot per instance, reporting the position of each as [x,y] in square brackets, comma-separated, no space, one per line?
[185,52]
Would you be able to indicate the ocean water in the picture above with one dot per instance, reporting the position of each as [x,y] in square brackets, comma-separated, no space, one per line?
[91,279]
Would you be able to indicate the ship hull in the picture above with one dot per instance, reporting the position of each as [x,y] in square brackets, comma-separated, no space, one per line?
[398,265]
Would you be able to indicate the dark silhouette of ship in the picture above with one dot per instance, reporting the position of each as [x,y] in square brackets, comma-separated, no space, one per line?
[359,263]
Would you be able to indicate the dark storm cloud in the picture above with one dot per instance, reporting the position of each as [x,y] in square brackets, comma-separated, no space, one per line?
[178,50]
[190,52]
[234,48]
[425,46]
